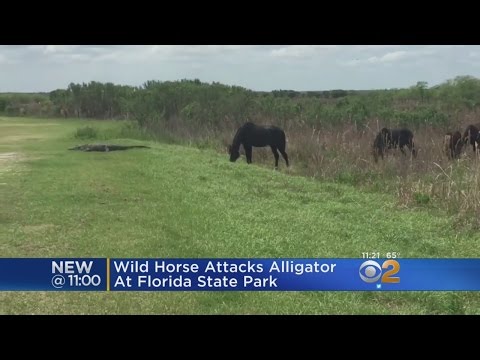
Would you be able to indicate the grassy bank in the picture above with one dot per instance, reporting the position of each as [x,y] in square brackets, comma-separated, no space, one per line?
[180,201]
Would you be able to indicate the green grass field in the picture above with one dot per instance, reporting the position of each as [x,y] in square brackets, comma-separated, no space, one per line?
[174,201]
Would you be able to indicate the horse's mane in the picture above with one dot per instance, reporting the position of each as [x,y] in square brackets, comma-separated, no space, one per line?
[238,135]
[236,139]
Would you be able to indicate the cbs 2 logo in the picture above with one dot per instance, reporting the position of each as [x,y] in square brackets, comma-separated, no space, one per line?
[370,271]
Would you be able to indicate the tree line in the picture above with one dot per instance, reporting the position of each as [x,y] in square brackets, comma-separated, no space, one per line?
[199,104]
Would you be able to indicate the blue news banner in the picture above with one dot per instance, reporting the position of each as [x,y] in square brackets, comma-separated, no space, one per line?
[342,274]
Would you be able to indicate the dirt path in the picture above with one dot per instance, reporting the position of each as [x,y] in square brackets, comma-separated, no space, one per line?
[7,161]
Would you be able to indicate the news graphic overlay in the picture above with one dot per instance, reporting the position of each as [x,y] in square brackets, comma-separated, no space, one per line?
[370,273]
[225,274]
[379,274]
[421,274]
[34,274]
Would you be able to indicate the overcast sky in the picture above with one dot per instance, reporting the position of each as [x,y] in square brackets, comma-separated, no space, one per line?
[35,68]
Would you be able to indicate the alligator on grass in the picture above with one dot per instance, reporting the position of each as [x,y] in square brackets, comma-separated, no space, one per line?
[106,148]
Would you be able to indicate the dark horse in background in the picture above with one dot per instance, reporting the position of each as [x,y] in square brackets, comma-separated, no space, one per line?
[472,136]
[250,135]
[453,144]
[393,138]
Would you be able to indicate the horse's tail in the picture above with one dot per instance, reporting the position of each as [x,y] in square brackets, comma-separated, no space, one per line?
[414,150]
[285,138]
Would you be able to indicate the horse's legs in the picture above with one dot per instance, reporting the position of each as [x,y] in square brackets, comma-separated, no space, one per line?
[411,147]
[285,156]
[281,148]
[275,153]
[248,153]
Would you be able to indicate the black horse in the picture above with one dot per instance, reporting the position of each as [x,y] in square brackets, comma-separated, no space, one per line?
[472,135]
[380,144]
[250,135]
[453,144]
[393,138]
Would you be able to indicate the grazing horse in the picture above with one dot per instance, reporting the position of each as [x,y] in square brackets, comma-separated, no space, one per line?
[380,143]
[453,144]
[472,135]
[250,135]
[388,139]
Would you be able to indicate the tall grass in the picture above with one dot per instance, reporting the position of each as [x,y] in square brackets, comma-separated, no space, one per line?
[344,154]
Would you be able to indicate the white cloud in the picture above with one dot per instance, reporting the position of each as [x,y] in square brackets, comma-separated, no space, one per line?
[4,60]
[71,58]
[52,49]
[388,57]
[302,67]
[374,47]
[297,51]
[169,53]
[444,47]
[473,59]
[391,57]
[195,49]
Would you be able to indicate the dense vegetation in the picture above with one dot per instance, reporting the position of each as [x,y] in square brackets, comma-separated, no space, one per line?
[197,103]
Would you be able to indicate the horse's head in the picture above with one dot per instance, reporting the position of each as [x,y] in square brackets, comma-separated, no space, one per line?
[234,154]
[386,134]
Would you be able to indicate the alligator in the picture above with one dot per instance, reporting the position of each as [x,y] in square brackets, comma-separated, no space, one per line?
[106,148]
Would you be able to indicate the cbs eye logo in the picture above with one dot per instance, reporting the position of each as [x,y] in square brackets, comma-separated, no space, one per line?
[370,271]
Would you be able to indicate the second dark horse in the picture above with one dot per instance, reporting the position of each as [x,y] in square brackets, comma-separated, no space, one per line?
[251,135]
[472,136]
[393,138]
